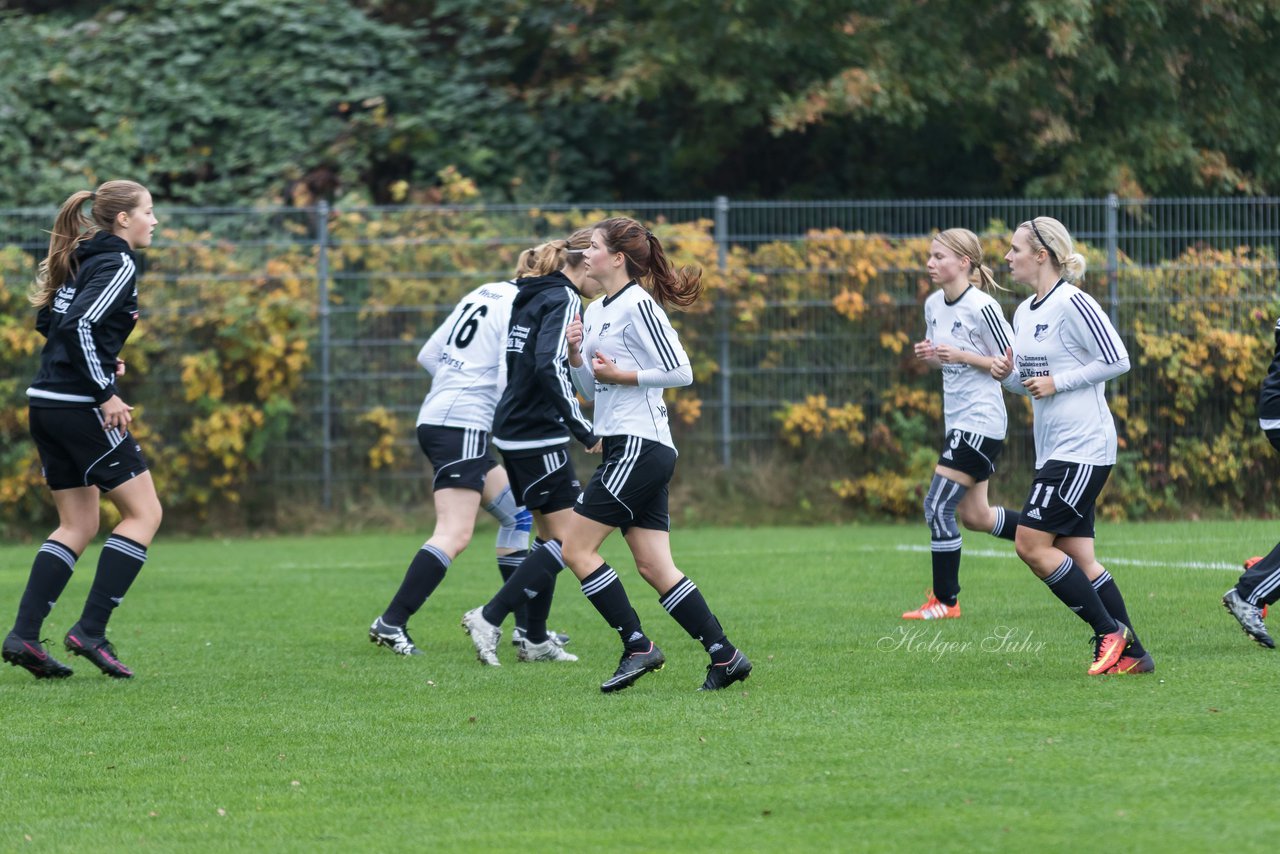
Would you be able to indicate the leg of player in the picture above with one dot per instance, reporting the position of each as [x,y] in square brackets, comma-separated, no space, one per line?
[1068,582]
[123,555]
[601,586]
[947,491]
[531,585]
[684,602]
[976,513]
[1258,587]
[1135,658]
[455,523]
[50,572]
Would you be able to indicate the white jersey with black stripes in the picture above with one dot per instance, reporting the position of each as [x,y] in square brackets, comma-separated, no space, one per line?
[632,329]
[465,358]
[1068,337]
[972,401]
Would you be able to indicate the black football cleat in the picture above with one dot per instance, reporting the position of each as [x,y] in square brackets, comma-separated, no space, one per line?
[632,666]
[34,658]
[723,675]
[99,651]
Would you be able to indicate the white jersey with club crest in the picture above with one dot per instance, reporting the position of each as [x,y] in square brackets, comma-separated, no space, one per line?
[633,330]
[972,401]
[1069,337]
[466,358]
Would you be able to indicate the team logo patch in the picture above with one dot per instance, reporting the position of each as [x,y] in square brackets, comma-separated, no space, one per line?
[957,327]
[1042,331]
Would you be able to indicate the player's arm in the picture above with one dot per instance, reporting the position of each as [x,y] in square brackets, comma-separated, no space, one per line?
[1091,330]
[97,298]
[552,361]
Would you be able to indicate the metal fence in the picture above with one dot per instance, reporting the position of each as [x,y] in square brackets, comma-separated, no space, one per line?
[363,358]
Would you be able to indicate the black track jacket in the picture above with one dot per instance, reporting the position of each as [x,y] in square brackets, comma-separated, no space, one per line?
[539,407]
[86,325]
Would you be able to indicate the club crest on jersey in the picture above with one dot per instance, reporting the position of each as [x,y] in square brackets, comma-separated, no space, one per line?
[957,327]
[603,329]
[1042,331]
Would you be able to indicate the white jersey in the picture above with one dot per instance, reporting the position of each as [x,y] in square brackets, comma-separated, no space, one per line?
[632,330]
[1067,336]
[466,358]
[972,401]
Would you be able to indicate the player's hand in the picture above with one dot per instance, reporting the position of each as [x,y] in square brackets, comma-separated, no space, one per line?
[116,414]
[605,369]
[1002,366]
[573,335]
[597,447]
[948,355]
[1040,387]
[119,367]
[925,350]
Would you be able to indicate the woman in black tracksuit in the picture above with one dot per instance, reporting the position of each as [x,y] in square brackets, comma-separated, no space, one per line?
[1259,586]
[536,419]
[87,295]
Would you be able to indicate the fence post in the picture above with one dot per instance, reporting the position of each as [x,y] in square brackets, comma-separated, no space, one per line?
[326,378]
[722,333]
[1113,257]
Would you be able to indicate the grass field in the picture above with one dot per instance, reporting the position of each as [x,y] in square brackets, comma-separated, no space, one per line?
[262,719]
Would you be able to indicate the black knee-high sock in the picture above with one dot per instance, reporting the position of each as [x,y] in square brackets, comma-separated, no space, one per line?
[50,572]
[507,565]
[946,573]
[118,565]
[537,611]
[685,603]
[606,594]
[532,577]
[425,572]
[1109,593]
[1069,583]
[1006,526]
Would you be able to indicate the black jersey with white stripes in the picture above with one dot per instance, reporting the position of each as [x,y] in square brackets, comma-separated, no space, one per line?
[86,324]
[538,407]
[1269,398]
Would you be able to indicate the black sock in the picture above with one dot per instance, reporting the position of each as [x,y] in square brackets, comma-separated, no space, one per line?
[507,566]
[946,574]
[684,602]
[606,594]
[1109,593]
[1069,583]
[423,576]
[1006,527]
[118,565]
[534,575]
[536,612]
[50,572]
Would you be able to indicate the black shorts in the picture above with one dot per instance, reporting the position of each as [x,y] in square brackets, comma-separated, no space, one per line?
[77,451]
[1274,437]
[972,453]
[1062,498]
[460,456]
[542,479]
[629,489]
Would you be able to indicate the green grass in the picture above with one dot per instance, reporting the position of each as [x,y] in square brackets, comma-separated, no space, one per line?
[262,719]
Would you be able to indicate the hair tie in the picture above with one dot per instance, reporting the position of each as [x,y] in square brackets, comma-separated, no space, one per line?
[648,234]
[93,197]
